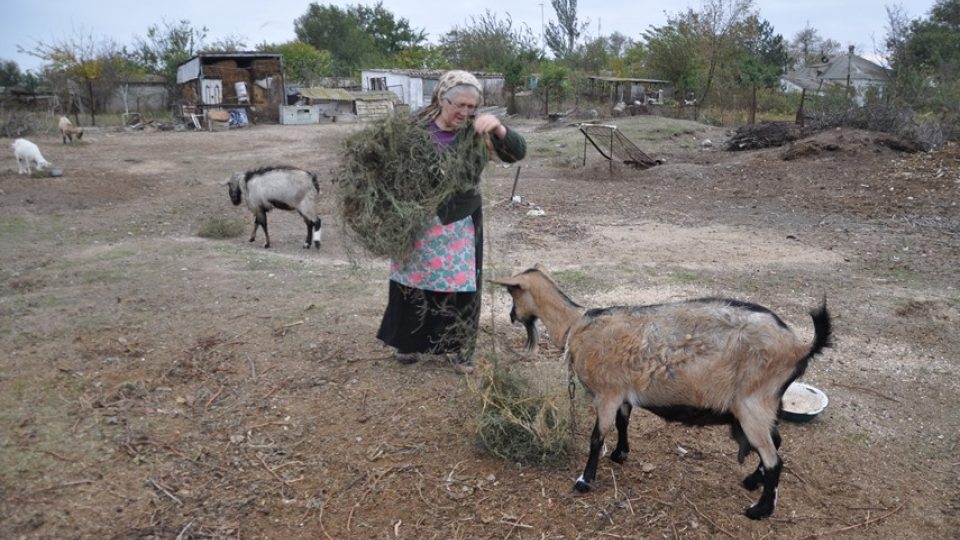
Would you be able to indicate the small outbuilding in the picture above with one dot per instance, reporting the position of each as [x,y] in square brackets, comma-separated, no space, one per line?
[414,87]
[247,82]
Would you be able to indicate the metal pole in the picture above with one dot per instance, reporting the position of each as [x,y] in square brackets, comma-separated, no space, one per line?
[516,177]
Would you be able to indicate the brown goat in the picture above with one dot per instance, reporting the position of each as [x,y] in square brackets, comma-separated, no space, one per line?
[700,362]
[68,130]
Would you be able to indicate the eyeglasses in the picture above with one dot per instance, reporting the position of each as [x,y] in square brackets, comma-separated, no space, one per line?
[462,107]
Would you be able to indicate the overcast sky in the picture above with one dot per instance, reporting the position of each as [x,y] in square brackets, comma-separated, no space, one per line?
[24,23]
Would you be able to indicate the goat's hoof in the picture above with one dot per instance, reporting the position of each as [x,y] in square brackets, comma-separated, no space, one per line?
[306,245]
[266,246]
[618,456]
[581,486]
[758,511]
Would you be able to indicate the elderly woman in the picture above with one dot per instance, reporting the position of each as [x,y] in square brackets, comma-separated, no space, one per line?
[434,293]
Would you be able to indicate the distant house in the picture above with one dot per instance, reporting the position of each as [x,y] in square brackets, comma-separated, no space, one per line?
[845,71]
[415,87]
[251,81]
[315,104]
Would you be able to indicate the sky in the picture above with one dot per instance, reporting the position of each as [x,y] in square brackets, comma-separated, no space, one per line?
[25,23]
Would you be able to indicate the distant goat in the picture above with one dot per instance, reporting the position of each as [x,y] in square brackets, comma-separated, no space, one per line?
[68,130]
[25,152]
[701,362]
[286,188]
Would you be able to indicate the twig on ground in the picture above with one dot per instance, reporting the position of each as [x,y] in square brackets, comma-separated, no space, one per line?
[856,525]
[514,524]
[164,490]
[865,389]
[704,516]
[320,520]
[183,531]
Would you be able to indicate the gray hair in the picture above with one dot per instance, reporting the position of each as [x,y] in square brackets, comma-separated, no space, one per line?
[462,89]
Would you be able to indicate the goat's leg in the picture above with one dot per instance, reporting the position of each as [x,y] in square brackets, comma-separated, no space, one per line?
[606,416]
[760,433]
[753,480]
[317,232]
[590,471]
[309,223]
[619,454]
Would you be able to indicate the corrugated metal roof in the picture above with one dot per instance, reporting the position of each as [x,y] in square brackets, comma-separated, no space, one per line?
[376,95]
[332,94]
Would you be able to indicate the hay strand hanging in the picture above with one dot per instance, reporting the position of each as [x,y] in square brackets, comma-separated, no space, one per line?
[392,179]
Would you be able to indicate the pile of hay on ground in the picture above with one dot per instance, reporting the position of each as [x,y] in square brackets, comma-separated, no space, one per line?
[391,181]
[520,422]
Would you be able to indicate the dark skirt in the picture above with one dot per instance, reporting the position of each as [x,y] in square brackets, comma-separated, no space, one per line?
[420,321]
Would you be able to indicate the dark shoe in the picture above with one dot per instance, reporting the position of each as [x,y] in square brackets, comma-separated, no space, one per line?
[407,358]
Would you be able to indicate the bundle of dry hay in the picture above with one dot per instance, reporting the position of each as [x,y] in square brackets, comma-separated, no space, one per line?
[520,422]
[391,181]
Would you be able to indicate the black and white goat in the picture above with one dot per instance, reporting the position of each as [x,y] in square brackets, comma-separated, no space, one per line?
[286,188]
[700,362]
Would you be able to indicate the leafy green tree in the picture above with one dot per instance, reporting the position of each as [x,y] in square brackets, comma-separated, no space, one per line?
[925,57]
[488,43]
[554,83]
[420,57]
[302,62]
[561,36]
[357,36]
[9,73]
[673,53]
[762,61]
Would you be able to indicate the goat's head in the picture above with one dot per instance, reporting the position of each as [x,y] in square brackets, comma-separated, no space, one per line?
[233,187]
[524,309]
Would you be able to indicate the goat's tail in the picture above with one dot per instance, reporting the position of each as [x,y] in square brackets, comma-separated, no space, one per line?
[313,179]
[822,338]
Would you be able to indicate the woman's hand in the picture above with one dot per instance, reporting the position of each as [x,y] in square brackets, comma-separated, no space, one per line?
[488,123]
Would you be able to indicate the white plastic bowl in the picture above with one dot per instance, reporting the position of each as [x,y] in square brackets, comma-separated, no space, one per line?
[802,402]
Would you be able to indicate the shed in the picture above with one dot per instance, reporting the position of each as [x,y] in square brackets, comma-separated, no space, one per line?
[251,81]
[629,90]
[415,87]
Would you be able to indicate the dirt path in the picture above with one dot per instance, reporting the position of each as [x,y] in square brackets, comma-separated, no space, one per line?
[160,385]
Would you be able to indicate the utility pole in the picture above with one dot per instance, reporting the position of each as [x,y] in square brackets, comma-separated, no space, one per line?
[543,42]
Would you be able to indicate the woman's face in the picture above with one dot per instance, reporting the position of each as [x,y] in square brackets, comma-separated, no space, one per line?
[456,108]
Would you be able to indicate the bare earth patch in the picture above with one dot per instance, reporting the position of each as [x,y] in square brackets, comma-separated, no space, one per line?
[160,385]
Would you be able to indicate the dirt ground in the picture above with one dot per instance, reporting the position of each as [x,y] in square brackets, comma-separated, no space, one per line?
[155,384]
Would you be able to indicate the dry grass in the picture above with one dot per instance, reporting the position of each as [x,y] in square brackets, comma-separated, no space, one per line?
[391,181]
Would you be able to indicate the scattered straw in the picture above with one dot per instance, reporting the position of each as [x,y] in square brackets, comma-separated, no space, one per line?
[392,180]
[519,423]
[220,227]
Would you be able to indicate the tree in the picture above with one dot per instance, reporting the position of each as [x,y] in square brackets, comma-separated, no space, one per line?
[302,62]
[554,82]
[9,73]
[84,68]
[807,48]
[925,57]
[488,43]
[169,44]
[762,61]
[672,52]
[561,36]
[357,36]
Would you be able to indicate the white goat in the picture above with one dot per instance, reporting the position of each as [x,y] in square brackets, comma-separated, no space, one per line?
[286,188]
[701,362]
[25,152]
[68,130]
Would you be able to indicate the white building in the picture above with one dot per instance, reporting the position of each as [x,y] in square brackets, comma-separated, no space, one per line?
[844,70]
[414,87]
